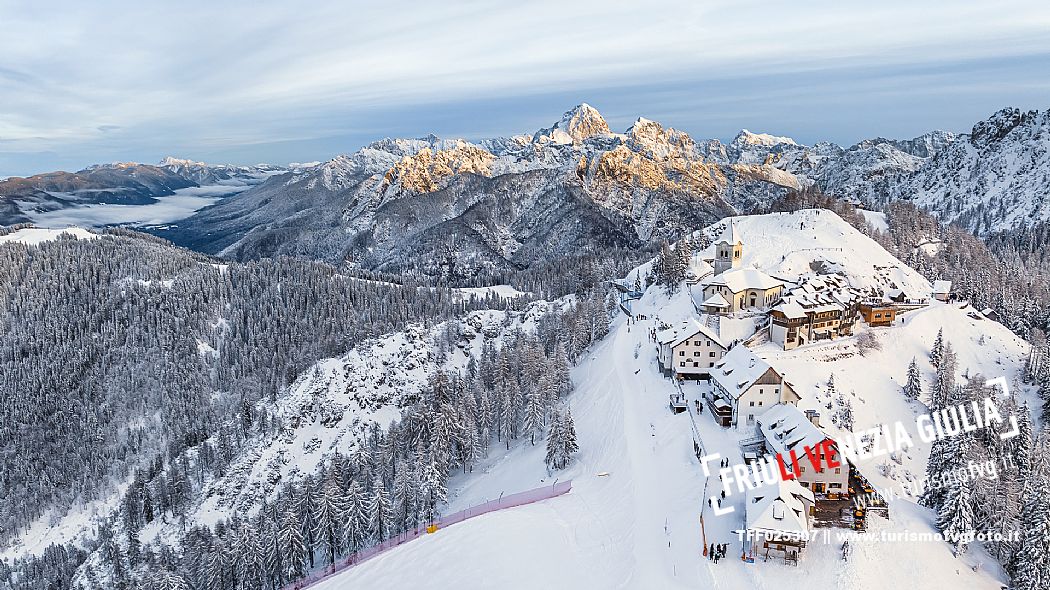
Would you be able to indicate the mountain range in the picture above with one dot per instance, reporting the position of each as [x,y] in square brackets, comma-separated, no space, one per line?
[456,208]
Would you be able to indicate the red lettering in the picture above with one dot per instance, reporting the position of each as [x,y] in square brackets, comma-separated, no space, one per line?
[830,452]
[814,457]
[794,467]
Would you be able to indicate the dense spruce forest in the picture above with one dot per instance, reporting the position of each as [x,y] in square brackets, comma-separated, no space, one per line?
[158,364]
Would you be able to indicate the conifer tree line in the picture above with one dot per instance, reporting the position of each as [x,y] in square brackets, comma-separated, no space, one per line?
[671,264]
[1015,501]
[394,482]
[120,336]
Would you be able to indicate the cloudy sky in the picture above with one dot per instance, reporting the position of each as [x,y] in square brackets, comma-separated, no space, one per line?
[243,82]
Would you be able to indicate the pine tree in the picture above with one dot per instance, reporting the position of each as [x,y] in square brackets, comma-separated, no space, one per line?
[404,498]
[432,491]
[845,413]
[957,513]
[533,412]
[250,562]
[1032,560]
[294,545]
[168,580]
[355,524]
[937,352]
[1022,443]
[381,512]
[555,442]
[570,444]
[944,383]
[956,518]
[506,419]
[913,388]
[328,519]
[216,570]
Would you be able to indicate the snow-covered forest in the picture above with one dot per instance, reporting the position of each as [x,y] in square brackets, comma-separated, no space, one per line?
[158,365]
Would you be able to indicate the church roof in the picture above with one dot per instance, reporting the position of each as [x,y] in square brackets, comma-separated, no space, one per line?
[740,279]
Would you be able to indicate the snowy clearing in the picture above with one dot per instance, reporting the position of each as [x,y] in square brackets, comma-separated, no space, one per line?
[34,236]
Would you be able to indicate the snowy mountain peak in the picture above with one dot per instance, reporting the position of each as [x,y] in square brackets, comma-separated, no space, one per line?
[174,162]
[999,125]
[577,124]
[657,142]
[747,138]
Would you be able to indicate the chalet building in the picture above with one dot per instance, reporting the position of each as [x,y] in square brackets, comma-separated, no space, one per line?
[744,386]
[777,518]
[785,428]
[942,290]
[689,351]
[820,308]
[878,313]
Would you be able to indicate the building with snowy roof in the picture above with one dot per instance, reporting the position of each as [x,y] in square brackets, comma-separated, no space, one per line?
[690,350]
[786,430]
[732,287]
[821,307]
[942,290]
[777,519]
[744,386]
[741,288]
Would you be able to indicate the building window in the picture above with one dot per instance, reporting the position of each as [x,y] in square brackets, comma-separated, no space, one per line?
[681,353]
[752,403]
[696,343]
[838,470]
[696,353]
[682,363]
[711,354]
[760,403]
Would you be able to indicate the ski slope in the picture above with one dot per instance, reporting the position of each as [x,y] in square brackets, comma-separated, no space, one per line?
[632,519]
[637,526]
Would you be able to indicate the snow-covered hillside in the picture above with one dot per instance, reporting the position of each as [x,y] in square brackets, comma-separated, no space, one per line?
[994,178]
[788,245]
[332,406]
[631,520]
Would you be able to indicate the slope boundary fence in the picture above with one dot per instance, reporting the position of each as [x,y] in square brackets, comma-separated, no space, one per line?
[501,503]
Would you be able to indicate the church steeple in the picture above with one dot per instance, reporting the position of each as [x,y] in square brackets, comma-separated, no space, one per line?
[729,250]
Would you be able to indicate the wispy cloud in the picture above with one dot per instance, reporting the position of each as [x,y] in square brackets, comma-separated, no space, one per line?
[252,81]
